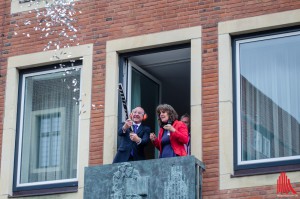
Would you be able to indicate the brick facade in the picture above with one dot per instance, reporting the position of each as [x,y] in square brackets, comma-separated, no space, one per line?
[101,21]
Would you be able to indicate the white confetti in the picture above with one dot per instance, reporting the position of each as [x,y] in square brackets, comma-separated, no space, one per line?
[74,82]
[57,18]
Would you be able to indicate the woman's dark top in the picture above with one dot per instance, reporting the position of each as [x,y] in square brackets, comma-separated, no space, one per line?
[167,150]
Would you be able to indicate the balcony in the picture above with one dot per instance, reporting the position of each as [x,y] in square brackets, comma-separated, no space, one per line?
[168,178]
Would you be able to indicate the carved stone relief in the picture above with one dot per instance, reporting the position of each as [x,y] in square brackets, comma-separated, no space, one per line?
[176,186]
[128,184]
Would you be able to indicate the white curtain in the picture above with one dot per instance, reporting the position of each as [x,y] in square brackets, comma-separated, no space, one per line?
[269,97]
[49,135]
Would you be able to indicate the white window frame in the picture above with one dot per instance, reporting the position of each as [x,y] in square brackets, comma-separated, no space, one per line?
[35,114]
[16,6]
[238,104]
[226,143]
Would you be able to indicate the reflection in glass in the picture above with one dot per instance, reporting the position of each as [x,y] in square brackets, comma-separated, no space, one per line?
[269,97]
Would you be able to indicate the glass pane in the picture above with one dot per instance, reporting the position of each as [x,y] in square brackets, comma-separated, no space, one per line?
[135,89]
[50,127]
[145,93]
[269,97]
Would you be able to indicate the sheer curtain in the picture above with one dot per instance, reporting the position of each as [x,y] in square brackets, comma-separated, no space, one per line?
[269,97]
[49,127]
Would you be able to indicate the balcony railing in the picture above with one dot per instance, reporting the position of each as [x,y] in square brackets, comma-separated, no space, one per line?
[167,178]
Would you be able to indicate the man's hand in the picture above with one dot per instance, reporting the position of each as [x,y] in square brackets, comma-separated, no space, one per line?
[134,137]
[128,123]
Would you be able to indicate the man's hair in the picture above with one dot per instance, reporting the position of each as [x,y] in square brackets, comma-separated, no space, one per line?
[185,115]
[138,107]
[169,109]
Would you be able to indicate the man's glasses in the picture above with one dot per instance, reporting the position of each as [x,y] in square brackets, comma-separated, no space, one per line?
[138,113]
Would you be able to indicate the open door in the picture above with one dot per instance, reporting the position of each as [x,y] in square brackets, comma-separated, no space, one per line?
[143,90]
[155,76]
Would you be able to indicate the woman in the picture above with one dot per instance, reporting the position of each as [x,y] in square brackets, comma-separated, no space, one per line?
[173,134]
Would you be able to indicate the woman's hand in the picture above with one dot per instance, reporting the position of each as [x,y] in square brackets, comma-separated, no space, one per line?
[152,136]
[169,127]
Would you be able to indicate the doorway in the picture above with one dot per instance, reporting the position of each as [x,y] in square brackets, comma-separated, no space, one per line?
[156,76]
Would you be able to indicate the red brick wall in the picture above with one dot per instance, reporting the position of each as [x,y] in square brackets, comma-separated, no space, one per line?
[101,21]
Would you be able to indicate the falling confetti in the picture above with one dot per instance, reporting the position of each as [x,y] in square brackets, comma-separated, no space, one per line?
[74,82]
[56,19]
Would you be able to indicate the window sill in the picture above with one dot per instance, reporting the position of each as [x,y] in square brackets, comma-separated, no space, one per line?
[41,192]
[266,170]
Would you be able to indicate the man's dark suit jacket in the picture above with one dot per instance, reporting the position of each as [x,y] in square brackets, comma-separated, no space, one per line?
[127,145]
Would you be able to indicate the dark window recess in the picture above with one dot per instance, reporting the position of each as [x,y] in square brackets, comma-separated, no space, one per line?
[40,192]
[263,171]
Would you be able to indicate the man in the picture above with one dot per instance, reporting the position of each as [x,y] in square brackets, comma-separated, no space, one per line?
[186,119]
[134,137]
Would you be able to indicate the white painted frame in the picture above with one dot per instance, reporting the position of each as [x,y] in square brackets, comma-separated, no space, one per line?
[238,104]
[22,7]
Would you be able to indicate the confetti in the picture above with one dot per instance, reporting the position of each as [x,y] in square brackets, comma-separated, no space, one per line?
[57,18]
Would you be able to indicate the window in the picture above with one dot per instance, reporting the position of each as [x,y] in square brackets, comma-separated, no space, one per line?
[47,130]
[267,96]
[146,75]
[261,145]
[17,66]
[25,5]
[25,1]
[49,139]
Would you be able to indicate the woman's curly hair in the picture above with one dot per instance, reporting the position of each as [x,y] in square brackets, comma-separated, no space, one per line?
[166,108]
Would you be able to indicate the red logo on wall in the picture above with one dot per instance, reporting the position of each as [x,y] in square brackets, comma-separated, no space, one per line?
[284,186]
